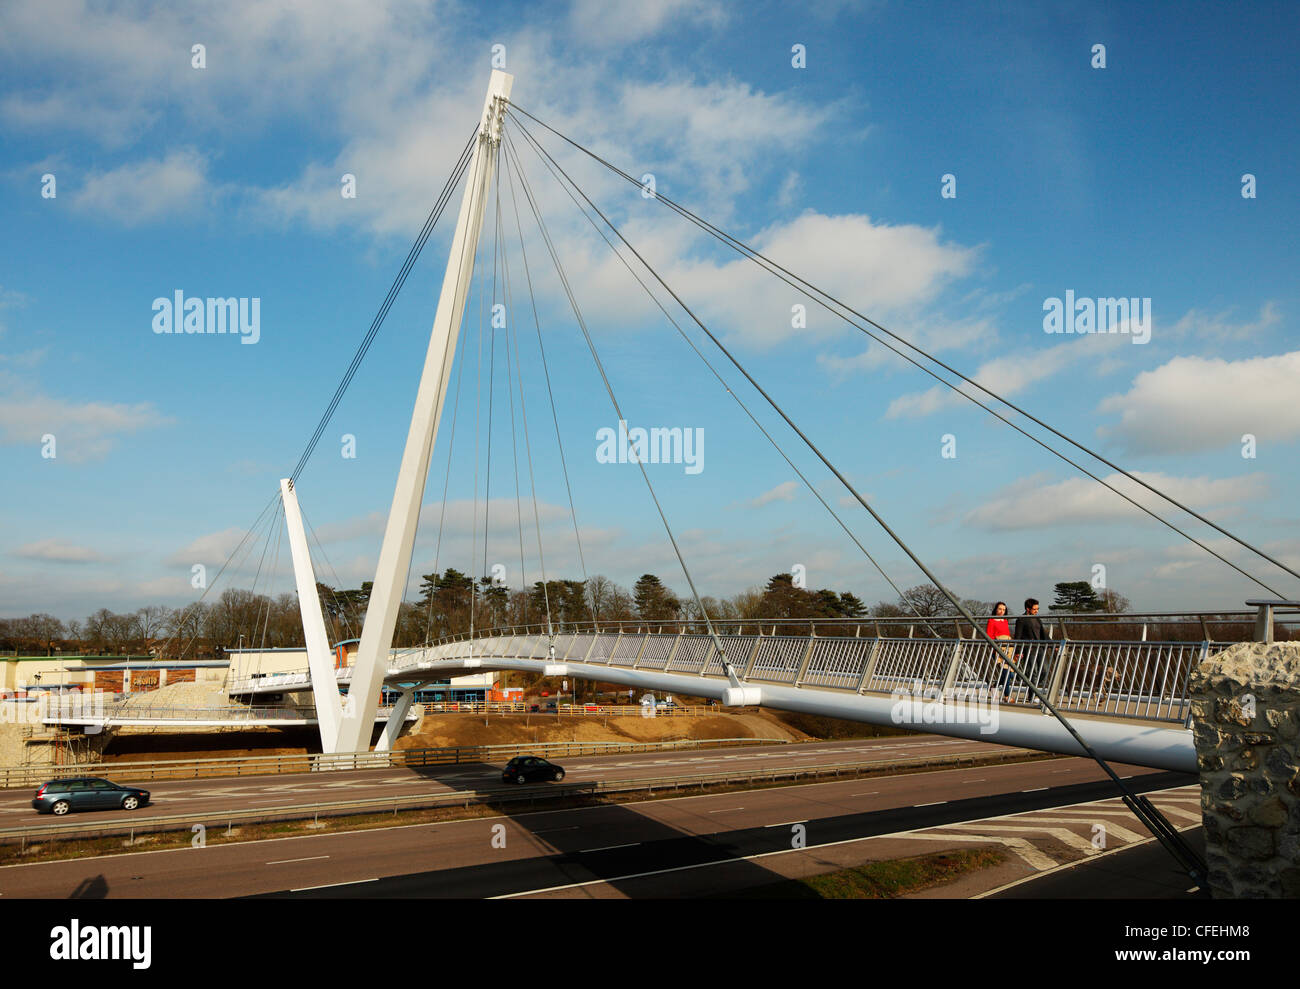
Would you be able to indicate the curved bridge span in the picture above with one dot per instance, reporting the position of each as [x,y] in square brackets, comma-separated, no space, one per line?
[1127,699]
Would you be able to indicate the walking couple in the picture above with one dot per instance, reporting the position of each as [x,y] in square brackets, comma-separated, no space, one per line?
[1021,653]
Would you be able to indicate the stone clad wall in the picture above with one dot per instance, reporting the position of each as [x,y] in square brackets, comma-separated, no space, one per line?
[1246,717]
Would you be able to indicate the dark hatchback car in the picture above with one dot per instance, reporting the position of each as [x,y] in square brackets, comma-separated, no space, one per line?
[531,769]
[87,793]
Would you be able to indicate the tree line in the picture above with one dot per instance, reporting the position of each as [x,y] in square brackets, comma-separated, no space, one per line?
[453,602]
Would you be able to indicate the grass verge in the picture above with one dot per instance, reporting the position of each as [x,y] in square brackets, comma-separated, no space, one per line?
[886,880]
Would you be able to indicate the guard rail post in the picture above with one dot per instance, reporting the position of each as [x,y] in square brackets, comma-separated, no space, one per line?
[870,666]
[753,656]
[950,678]
[807,658]
[1058,671]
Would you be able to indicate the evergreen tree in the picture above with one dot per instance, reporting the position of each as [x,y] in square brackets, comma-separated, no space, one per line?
[1076,595]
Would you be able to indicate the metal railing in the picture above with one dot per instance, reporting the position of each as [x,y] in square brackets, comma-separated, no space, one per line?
[1097,664]
[1144,680]
[75,712]
[1224,626]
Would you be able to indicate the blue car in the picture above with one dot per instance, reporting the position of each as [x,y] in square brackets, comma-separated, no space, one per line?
[87,793]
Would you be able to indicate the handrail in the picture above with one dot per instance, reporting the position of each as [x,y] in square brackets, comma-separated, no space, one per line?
[758,625]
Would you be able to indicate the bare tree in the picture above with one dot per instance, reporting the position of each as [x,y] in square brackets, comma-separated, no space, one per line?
[925,600]
[600,591]
[152,619]
[1113,602]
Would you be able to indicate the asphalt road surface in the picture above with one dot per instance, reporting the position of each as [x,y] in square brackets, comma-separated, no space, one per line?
[213,795]
[541,850]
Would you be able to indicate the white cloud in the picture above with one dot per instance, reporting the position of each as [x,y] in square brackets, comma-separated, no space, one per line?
[1221,327]
[782,492]
[1030,503]
[82,430]
[210,550]
[1012,374]
[1196,403]
[146,190]
[905,267]
[932,333]
[113,125]
[603,22]
[57,551]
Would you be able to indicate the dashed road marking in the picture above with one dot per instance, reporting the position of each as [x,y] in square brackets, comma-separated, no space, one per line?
[354,882]
[310,858]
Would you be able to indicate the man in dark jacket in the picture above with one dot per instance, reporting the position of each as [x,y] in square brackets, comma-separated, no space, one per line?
[1030,655]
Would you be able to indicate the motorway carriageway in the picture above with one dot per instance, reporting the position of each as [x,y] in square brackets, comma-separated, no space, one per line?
[213,795]
[548,849]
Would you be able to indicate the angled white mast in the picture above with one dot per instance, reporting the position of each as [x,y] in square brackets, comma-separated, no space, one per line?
[324,687]
[399,537]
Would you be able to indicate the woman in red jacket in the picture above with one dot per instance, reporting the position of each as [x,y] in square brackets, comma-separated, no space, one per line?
[998,629]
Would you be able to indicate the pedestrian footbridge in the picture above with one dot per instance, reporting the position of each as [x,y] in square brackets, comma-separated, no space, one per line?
[1128,698]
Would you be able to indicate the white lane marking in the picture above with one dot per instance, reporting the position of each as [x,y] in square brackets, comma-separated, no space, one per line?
[605,848]
[1055,771]
[786,824]
[934,804]
[312,858]
[867,794]
[1064,834]
[974,781]
[726,810]
[354,882]
[1034,789]
[1189,815]
[1086,818]
[1020,846]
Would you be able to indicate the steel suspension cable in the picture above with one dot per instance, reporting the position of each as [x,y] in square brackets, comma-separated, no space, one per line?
[1143,809]
[814,292]
[577,312]
[726,387]
[528,449]
[442,517]
[550,394]
[514,438]
[411,257]
[208,585]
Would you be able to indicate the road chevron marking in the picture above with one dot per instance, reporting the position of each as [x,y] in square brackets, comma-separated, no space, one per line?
[1064,834]
[1036,859]
[1123,833]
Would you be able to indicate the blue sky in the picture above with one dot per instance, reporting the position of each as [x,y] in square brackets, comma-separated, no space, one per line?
[225,181]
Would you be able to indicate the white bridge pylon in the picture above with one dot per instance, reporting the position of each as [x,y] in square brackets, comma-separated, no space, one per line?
[324,688]
[371,660]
